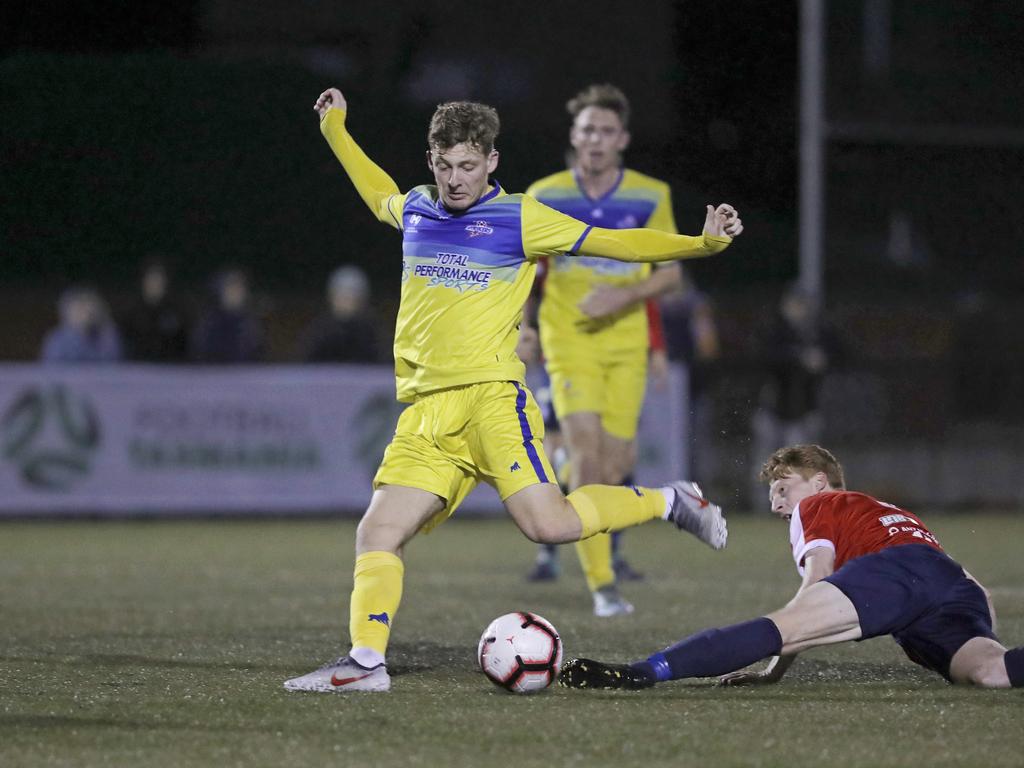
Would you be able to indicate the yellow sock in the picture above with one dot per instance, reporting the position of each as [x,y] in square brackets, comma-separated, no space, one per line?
[595,556]
[375,597]
[606,508]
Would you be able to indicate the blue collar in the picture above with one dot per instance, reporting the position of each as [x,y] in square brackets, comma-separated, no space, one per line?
[606,195]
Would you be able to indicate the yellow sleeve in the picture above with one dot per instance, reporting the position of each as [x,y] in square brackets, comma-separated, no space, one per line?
[378,190]
[648,245]
[547,232]
[662,218]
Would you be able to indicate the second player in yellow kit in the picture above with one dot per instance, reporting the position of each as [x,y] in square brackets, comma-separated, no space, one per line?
[593,320]
[599,363]
[468,259]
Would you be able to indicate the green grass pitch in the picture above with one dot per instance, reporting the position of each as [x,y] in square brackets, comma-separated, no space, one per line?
[165,644]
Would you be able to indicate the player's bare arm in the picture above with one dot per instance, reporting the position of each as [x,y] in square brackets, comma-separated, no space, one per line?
[818,564]
[606,300]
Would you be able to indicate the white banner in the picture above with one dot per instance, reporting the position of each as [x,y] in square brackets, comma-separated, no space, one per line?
[135,439]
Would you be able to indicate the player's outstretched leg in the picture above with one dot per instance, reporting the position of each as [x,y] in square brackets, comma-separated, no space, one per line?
[544,514]
[587,673]
[710,653]
[693,513]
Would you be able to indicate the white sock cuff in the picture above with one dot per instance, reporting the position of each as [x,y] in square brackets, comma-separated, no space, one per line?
[367,657]
[670,498]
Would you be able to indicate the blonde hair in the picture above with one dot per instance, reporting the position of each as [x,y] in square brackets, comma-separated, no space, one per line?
[805,460]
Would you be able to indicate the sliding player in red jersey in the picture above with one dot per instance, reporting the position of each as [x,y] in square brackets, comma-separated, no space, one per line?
[869,569]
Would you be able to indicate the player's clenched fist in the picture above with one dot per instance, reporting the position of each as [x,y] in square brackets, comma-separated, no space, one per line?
[329,99]
[723,220]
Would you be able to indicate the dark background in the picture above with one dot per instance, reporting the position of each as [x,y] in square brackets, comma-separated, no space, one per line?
[186,129]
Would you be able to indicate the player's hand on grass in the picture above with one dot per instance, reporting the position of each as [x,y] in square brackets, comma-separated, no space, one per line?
[329,99]
[606,300]
[723,221]
[746,678]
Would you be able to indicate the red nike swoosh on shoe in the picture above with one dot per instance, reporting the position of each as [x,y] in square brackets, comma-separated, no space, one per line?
[700,499]
[347,680]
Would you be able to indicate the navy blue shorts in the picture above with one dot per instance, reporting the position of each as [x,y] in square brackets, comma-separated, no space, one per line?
[921,597]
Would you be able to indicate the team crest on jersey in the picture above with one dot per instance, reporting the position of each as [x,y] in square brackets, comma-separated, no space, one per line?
[478,228]
[628,222]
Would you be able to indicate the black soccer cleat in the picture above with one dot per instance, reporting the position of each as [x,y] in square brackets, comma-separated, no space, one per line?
[587,673]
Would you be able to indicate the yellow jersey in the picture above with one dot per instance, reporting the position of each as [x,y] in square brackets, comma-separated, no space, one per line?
[466,274]
[635,200]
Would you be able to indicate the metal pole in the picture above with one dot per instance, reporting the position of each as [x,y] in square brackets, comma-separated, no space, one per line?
[812,149]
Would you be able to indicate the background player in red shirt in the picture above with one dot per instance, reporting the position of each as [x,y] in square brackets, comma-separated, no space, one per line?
[869,569]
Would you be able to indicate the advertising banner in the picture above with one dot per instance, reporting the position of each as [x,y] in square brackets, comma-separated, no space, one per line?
[139,440]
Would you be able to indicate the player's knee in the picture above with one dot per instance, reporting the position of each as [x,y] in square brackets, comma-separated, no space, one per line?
[547,528]
[373,536]
[991,673]
[542,531]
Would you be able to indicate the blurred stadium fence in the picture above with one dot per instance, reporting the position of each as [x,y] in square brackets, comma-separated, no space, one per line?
[148,440]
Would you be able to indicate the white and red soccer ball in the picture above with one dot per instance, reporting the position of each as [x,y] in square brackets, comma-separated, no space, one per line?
[520,652]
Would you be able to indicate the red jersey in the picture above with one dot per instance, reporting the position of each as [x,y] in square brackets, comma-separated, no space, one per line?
[852,524]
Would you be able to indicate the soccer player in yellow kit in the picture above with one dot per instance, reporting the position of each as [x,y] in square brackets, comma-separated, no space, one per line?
[469,253]
[593,323]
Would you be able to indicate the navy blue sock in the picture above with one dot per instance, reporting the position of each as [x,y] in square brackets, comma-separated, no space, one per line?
[1014,660]
[714,652]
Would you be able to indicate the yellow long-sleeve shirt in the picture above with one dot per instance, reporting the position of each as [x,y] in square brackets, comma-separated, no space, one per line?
[466,274]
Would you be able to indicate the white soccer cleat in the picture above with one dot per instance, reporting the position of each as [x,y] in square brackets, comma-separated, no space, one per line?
[693,513]
[608,602]
[341,676]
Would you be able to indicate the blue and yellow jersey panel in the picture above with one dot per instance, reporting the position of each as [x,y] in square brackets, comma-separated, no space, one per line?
[465,277]
[636,200]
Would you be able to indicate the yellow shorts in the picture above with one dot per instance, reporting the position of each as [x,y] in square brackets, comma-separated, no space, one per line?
[448,441]
[612,387]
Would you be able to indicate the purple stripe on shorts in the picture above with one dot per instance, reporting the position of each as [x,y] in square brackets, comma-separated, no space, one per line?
[524,426]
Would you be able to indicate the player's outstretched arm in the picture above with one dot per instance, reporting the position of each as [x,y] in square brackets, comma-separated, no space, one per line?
[721,224]
[372,183]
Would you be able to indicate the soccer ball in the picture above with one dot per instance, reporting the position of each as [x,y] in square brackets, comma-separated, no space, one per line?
[520,652]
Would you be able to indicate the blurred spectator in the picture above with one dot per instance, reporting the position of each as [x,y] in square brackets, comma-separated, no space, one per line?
[691,338]
[229,331]
[86,334]
[155,326]
[796,349]
[346,332]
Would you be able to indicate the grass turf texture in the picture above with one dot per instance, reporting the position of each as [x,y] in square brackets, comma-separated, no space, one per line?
[165,643]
